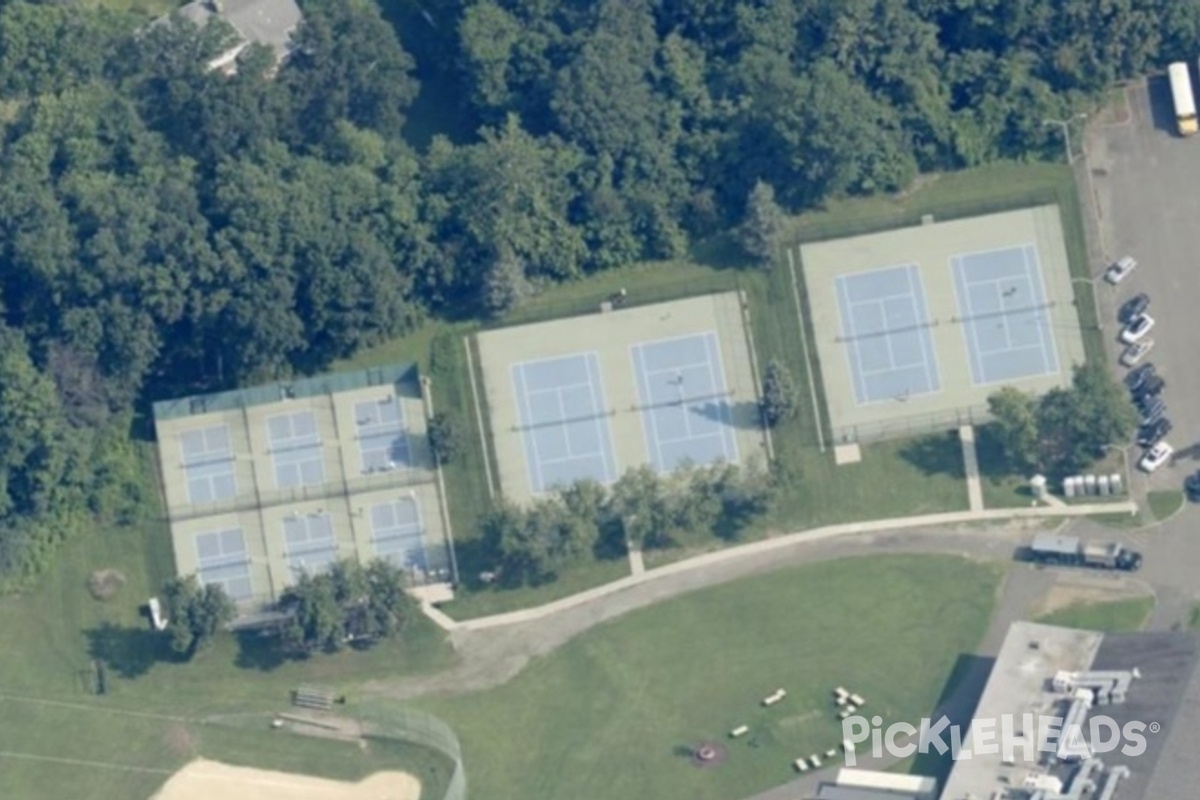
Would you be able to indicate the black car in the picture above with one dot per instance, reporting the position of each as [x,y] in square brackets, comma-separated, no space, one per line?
[1133,307]
[1152,386]
[1138,375]
[1153,411]
[1191,486]
[1150,435]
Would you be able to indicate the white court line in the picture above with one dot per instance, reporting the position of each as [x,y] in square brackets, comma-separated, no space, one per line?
[562,421]
[1049,351]
[563,388]
[540,483]
[912,300]
[717,382]
[887,337]
[846,313]
[677,368]
[993,251]
[963,290]
[1003,312]
[608,456]
[643,395]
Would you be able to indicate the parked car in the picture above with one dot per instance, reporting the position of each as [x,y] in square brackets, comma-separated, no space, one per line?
[1155,457]
[1137,328]
[1152,434]
[1153,411]
[1191,487]
[1150,387]
[1136,352]
[1138,375]
[1133,307]
[1120,270]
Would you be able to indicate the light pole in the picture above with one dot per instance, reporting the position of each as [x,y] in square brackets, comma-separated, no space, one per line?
[1064,125]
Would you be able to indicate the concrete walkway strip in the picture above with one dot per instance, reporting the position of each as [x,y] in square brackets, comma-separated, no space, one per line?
[776,543]
[966,435]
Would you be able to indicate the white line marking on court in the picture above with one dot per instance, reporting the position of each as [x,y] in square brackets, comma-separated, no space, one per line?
[921,333]
[562,388]
[1038,289]
[608,455]
[717,381]
[1003,325]
[962,290]
[887,337]
[853,361]
[540,481]
[647,415]
[562,419]
[993,251]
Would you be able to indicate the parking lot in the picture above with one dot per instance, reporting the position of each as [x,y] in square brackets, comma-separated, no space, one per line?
[1145,193]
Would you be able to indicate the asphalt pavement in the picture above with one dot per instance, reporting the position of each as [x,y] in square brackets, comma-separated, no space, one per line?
[1144,198]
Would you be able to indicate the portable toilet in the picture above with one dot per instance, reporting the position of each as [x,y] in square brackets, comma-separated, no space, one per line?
[1068,486]
[1102,484]
[1089,484]
[1037,484]
[1114,483]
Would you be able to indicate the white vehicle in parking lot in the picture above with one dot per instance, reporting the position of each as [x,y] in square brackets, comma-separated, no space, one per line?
[1136,352]
[1155,457]
[1137,328]
[1120,270]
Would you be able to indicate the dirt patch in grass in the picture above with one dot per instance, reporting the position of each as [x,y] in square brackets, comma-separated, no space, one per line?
[1066,596]
[104,584]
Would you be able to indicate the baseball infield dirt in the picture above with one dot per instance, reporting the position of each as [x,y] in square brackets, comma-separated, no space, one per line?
[203,780]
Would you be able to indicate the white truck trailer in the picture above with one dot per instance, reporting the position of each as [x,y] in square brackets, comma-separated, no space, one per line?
[1182,98]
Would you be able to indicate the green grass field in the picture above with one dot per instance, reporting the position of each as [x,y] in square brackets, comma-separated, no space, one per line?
[613,712]
[54,631]
[1164,505]
[1118,616]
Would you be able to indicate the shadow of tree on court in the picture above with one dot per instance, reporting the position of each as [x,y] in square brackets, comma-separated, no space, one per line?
[129,652]
[742,415]
[936,454]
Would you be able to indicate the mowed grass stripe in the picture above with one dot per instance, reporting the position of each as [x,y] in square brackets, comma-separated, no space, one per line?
[612,712]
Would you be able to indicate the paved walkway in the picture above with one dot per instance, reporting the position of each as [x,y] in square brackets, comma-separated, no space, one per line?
[966,435]
[636,565]
[780,543]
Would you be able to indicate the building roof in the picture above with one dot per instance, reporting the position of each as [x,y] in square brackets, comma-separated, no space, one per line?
[831,791]
[269,22]
[1165,692]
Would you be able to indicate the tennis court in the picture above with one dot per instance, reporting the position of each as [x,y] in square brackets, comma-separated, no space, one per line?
[685,404]
[309,543]
[223,561]
[563,421]
[208,464]
[295,449]
[1002,304]
[399,534]
[382,438]
[885,328]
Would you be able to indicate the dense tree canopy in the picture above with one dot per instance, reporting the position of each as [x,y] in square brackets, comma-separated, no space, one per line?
[166,228]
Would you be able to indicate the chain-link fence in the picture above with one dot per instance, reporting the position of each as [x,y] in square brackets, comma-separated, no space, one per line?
[914,425]
[405,724]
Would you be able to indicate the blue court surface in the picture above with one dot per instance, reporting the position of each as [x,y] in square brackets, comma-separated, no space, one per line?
[398,533]
[222,558]
[309,544]
[885,328]
[296,449]
[564,421]
[382,438]
[685,405]
[1005,316]
[208,464]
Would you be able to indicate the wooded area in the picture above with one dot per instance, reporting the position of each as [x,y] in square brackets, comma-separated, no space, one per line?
[165,229]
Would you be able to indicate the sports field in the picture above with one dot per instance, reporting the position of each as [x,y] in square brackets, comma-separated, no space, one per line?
[593,396]
[615,712]
[927,321]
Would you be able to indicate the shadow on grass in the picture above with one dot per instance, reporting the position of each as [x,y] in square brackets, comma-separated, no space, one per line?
[259,650]
[130,652]
[939,453]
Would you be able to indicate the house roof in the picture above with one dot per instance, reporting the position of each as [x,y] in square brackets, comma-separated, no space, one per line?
[269,22]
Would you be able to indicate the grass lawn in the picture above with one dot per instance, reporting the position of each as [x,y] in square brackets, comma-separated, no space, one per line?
[1163,505]
[613,712]
[150,8]
[61,629]
[1118,616]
